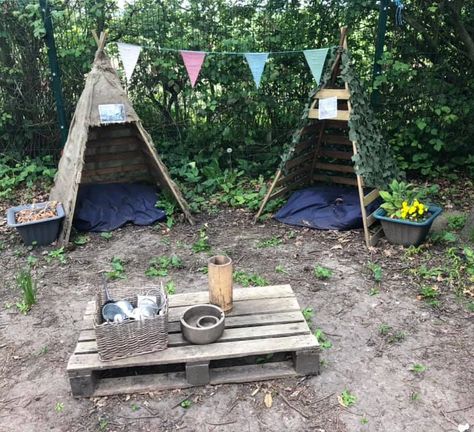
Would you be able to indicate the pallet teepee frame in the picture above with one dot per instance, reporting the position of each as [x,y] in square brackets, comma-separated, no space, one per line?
[324,153]
[97,152]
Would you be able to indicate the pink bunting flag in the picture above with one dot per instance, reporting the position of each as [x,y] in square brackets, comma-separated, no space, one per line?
[193,61]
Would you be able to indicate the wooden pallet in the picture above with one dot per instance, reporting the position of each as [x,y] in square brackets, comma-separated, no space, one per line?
[266,337]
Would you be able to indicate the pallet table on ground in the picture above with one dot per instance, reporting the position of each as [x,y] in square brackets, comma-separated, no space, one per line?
[265,337]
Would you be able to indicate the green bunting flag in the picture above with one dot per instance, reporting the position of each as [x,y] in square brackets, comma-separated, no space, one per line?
[315,59]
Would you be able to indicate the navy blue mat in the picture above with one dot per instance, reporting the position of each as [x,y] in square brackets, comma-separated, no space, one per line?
[105,207]
[324,207]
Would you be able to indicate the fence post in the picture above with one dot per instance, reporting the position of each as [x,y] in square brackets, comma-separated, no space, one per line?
[55,71]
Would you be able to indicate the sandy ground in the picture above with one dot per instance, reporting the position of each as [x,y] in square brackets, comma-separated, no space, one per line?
[350,308]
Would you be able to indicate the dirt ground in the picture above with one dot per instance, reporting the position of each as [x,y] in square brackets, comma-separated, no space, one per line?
[349,307]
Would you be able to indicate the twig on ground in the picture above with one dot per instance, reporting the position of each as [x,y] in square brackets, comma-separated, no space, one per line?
[182,400]
[448,419]
[293,407]
[324,398]
[460,409]
[222,423]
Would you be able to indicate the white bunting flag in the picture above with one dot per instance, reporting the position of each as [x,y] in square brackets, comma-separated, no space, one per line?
[129,55]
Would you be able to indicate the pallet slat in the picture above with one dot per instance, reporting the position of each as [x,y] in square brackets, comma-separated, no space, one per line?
[334,167]
[229,335]
[326,93]
[335,179]
[197,353]
[371,197]
[341,115]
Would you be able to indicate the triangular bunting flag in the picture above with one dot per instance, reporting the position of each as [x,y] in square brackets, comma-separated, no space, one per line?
[256,63]
[193,61]
[315,59]
[129,55]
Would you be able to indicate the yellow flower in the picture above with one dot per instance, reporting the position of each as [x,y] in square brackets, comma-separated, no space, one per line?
[404,204]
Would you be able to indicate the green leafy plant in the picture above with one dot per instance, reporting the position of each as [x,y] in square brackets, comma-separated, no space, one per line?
[376,270]
[322,273]
[443,237]
[27,286]
[364,421]
[59,407]
[323,340]
[264,359]
[271,242]
[248,279]
[417,368]
[168,205]
[103,424]
[385,329]
[118,269]
[57,254]
[308,314]
[430,295]
[202,243]
[414,396]
[160,266]
[170,288]
[106,235]
[374,291]
[347,399]
[32,260]
[280,269]
[404,201]
[186,404]
[81,240]
[135,407]
[456,222]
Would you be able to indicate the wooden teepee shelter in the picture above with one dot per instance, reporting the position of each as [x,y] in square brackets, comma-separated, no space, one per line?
[324,152]
[98,152]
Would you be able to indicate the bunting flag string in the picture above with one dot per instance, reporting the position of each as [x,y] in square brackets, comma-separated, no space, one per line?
[193,60]
[256,63]
[315,59]
[129,55]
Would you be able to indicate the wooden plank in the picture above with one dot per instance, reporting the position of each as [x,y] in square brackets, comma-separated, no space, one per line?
[112,148]
[251,293]
[326,93]
[177,380]
[112,131]
[239,294]
[334,167]
[336,124]
[341,115]
[135,159]
[249,373]
[303,146]
[198,353]
[130,177]
[298,160]
[336,154]
[141,383]
[88,333]
[229,335]
[114,170]
[337,139]
[124,156]
[371,197]
[376,236]
[335,179]
[280,193]
[303,172]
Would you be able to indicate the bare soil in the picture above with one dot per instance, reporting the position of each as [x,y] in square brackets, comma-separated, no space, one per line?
[350,308]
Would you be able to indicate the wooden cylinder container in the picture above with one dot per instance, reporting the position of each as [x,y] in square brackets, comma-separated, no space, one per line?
[220,282]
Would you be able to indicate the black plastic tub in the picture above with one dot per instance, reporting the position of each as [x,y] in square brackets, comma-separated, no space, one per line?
[42,232]
[407,233]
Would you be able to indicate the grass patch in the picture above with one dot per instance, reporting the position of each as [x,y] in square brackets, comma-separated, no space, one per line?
[247,279]
[322,273]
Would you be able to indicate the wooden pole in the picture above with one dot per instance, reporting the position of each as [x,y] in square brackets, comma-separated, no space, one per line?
[220,282]
[267,196]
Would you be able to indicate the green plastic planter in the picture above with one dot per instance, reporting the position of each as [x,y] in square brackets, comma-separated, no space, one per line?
[407,233]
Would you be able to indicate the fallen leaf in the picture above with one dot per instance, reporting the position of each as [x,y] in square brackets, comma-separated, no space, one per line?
[268,400]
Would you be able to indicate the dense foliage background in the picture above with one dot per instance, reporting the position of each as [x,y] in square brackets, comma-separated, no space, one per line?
[426,86]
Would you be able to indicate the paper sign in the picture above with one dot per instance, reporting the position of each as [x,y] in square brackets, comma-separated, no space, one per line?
[112,113]
[327,108]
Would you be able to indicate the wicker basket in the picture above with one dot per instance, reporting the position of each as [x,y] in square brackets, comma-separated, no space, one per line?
[131,337]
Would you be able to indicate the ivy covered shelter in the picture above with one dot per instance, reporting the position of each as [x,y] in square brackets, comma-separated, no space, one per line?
[346,150]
